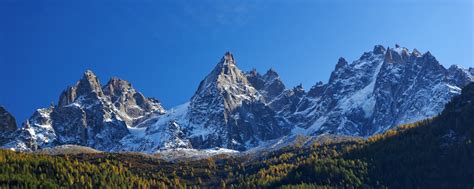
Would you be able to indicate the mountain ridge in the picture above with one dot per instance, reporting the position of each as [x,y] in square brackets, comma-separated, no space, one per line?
[242,110]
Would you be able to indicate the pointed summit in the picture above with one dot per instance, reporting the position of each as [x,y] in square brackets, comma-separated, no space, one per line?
[379,49]
[298,87]
[87,85]
[254,72]
[271,73]
[116,87]
[228,58]
[129,101]
[415,53]
[298,90]
[226,81]
[341,63]
[89,74]
[428,54]
[224,70]
[222,103]
[389,55]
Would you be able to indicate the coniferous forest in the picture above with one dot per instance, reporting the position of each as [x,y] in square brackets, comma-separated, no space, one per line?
[434,153]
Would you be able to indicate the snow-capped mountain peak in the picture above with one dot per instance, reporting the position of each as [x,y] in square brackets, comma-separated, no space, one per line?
[85,115]
[218,104]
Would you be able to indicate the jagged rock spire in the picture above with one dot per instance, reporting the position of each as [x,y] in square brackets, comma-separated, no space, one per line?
[341,63]
[128,100]
[228,58]
[116,87]
[87,85]
[254,72]
[389,56]
[317,89]
[416,53]
[298,87]
[379,49]
[271,73]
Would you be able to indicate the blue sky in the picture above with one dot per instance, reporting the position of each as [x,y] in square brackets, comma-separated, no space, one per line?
[165,48]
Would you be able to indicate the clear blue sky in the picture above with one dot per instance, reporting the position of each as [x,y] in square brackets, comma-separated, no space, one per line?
[166,47]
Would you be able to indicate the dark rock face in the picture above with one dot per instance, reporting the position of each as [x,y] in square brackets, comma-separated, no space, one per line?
[287,104]
[70,125]
[7,121]
[341,63]
[269,85]
[254,122]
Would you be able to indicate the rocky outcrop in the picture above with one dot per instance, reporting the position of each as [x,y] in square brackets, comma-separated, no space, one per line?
[7,121]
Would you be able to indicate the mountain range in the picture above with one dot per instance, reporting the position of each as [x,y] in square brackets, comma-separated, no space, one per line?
[433,153]
[238,110]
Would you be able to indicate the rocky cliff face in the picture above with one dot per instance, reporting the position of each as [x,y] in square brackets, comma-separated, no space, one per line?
[268,85]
